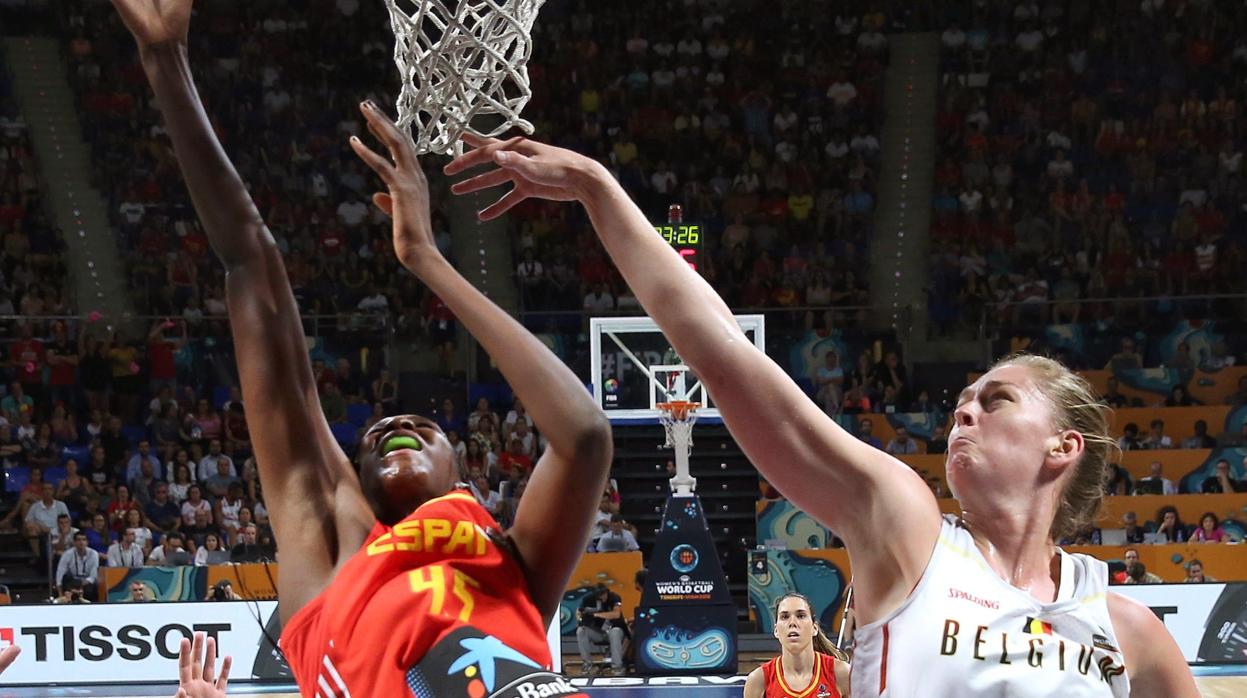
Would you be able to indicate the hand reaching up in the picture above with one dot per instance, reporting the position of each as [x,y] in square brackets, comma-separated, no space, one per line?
[536,171]
[197,680]
[154,22]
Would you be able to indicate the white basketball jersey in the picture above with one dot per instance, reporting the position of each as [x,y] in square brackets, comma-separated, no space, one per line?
[964,631]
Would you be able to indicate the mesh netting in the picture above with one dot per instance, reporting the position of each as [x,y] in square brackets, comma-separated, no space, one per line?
[460,59]
[679,431]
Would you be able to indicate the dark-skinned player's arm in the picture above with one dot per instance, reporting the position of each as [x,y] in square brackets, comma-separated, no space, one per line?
[316,521]
[845,484]
[556,512]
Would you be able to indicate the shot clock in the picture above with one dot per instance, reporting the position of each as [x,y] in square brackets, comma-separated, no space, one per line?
[686,238]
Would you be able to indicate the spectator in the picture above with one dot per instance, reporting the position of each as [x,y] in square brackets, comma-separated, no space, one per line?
[1209,530]
[99,535]
[210,465]
[249,550]
[143,536]
[62,537]
[1221,481]
[616,539]
[865,433]
[41,518]
[829,381]
[143,454]
[195,505]
[1200,439]
[490,499]
[1195,573]
[80,564]
[118,507]
[902,445]
[1136,573]
[139,593]
[1134,532]
[170,552]
[1126,359]
[1112,397]
[164,513]
[1169,528]
[1156,438]
[600,622]
[1155,482]
[1130,440]
[125,552]
[938,443]
[211,552]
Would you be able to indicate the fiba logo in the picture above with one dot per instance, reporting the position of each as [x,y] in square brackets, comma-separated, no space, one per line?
[684,558]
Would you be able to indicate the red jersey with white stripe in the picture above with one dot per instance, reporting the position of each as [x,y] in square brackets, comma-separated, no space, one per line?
[404,616]
[822,684]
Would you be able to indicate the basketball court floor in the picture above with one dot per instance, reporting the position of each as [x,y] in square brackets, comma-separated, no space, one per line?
[1214,682]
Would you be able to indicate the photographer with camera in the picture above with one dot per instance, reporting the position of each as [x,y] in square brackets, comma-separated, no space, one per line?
[223,591]
[601,622]
[72,592]
[79,564]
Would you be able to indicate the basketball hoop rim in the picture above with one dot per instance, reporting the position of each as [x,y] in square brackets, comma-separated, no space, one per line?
[678,410]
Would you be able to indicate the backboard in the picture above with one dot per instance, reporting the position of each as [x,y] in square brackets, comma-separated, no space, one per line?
[634,368]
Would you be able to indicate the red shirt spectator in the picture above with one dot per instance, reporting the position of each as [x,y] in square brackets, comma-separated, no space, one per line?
[27,355]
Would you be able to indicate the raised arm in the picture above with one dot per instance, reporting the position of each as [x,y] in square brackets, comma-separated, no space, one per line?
[550,537]
[316,521]
[849,486]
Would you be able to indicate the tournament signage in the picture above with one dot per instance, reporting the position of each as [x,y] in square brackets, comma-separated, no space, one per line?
[686,621]
[138,642]
[128,643]
[1208,621]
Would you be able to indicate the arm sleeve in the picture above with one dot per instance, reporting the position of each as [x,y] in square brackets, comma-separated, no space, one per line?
[93,568]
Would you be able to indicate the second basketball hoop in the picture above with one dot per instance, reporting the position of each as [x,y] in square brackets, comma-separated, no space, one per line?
[677,418]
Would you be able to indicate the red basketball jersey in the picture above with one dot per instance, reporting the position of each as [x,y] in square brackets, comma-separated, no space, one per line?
[429,607]
[822,685]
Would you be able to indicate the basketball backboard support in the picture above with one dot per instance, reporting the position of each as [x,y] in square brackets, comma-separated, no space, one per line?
[634,368]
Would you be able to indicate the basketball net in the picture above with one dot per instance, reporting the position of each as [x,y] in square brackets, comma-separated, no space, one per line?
[460,59]
[678,418]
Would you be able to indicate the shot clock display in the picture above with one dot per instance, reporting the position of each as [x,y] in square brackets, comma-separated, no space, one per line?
[686,238]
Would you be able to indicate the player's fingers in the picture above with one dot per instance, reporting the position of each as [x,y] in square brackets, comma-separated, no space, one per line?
[479,156]
[184,661]
[530,168]
[209,669]
[374,160]
[385,129]
[478,141]
[197,647]
[8,655]
[506,203]
[385,202]
[223,681]
[485,181]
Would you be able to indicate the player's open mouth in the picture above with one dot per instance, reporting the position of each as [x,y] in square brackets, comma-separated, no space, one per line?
[401,441]
[794,635]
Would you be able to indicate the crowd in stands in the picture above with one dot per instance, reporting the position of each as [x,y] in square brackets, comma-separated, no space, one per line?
[767,137]
[1089,155]
[252,63]
[32,270]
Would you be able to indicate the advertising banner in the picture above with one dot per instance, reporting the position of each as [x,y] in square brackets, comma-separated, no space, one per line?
[138,642]
[110,643]
[686,622]
[1208,621]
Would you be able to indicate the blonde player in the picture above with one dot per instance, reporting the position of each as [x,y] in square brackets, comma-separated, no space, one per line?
[985,604]
[808,665]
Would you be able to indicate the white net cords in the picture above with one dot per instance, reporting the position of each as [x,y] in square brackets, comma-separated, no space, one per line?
[460,59]
[680,438]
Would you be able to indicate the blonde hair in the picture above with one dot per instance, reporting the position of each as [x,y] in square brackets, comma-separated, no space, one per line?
[1075,407]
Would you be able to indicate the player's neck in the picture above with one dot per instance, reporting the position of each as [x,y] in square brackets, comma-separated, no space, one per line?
[1018,548]
[799,663]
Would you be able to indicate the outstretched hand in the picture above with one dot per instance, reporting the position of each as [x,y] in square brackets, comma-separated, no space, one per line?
[197,680]
[7,655]
[155,21]
[536,171]
[408,199]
